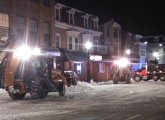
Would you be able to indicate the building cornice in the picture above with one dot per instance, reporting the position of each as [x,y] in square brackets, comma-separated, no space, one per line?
[77,28]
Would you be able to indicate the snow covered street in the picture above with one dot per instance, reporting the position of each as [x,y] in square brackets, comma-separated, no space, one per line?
[94,101]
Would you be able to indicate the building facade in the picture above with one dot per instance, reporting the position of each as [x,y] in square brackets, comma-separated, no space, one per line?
[28,21]
[155,48]
[112,38]
[73,28]
[138,49]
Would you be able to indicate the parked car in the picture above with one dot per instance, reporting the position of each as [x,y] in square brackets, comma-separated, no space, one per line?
[71,77]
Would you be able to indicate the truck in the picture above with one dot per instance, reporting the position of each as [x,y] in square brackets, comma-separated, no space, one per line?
[121,71]
[151,71]
[30,70]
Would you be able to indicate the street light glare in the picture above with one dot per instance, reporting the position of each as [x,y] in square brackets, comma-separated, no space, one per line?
[88,45]
[160,45]
[146,42]
[155,54]
[128,51]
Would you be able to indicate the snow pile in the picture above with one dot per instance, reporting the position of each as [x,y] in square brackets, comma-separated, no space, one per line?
[80,87]
[3,91]
[86,87]
[100,83]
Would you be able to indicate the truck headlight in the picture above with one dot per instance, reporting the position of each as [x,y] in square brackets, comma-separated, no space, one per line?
[123,62]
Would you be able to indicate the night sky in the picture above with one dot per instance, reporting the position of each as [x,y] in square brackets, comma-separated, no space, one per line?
[137,16]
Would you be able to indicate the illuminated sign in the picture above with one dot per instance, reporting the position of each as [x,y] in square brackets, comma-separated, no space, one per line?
[52,53]
[95,57]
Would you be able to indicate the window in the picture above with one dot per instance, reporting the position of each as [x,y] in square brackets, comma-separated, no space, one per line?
[33,30]
[95,46]
[85,22]
[35,1]
[71,18]
[76,43]
[57,40]
[101,67]
[45,2]
[58,14]
[21,27]
[95,25]
[142,53]
[78,67]
[73,43]
[4,26]
[70,43]
[46,34]
[108,32]
[116,33]
[4,20]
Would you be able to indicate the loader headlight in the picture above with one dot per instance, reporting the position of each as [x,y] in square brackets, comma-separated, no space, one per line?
[36,51]
[24,52]
[123,62]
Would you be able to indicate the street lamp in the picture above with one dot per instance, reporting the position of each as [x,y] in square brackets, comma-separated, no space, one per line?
[128,51]
[88,46]
[156,55]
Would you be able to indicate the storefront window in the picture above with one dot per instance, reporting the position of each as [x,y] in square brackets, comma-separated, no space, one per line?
[101,67]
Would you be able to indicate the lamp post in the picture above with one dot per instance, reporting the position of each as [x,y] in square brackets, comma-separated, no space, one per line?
[88,46]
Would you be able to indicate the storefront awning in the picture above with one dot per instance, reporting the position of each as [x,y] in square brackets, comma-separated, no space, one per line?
[76,56]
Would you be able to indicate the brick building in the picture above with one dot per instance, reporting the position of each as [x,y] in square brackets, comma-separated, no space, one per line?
[28,21]
[73,28]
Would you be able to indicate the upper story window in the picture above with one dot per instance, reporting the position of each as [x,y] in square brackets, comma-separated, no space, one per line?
[156,39]
[58,40]
[95,43]
[73,40]
[46,33]
[71,16]
[86,21]
[115,32]
[36,1]
[58,12]
[45,2]
[70,43]
[4,26]
[108,32]
[33,30]
[142,53]
[73,43]
[76,43]
[21,27]
[95,23]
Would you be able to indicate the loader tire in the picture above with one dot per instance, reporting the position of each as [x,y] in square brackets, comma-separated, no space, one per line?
[115,80]
[38,89]
[128,79]
[61,89]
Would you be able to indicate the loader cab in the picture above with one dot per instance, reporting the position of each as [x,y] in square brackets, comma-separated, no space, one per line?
[122,71]
[32,75]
